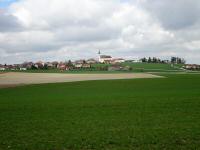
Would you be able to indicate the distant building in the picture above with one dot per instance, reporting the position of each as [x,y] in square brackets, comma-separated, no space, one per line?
[118,60]
[12,67]
[2,68]
[86,66]
[105,59]
[49,65]
[22,69]
[39,64]
[192,67]
[78,65]
[26,65]
[133,61]
[55,64]
[82,61]
[91,61]
[63,66]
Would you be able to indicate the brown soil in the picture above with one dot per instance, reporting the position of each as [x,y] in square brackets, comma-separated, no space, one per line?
[14,79]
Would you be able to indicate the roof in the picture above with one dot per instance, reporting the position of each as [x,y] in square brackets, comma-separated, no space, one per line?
[91,59]
[192,65]
[105,56]
[80,61]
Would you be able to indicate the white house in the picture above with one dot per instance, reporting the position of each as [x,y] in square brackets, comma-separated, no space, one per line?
[23,69]
[78,65]
[2,68]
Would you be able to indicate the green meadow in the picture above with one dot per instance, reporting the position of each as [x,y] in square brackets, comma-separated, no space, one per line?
[136,67]
[161,113]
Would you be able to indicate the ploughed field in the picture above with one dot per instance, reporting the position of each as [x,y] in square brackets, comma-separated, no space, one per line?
[156,113]
[12,79]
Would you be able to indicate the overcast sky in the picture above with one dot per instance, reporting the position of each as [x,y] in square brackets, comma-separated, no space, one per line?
[32,30]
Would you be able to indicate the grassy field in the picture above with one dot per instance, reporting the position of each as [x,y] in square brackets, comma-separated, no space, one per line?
[145,67]
[150,65]
[136,67]
[159,113]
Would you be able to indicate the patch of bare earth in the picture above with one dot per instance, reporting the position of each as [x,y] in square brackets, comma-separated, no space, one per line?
[14,79]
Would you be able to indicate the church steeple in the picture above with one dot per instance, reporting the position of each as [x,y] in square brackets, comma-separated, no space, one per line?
[99,52]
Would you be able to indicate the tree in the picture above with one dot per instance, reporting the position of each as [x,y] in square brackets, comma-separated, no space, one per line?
[173,60]
[45,66]
[69,63]
[183,61]
[149,60]
[144,59]
[33,67]
[177,60]
[154,60]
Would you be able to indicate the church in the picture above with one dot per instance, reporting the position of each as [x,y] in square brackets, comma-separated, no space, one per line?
[107,59]
[104,58]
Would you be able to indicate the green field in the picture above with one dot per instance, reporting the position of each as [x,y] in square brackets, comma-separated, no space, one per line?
[136,67]
[161,113]
[145,67]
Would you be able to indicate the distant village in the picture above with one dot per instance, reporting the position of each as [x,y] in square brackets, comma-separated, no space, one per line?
[113,64]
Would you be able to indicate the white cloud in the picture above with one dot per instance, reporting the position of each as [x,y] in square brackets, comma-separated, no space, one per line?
[70,29]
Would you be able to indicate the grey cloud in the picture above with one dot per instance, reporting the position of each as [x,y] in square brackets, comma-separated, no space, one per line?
[174,14]
[87,34]
[9,23]
[74,29]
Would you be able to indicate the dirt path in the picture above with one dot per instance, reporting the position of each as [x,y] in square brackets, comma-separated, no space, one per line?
[14,79]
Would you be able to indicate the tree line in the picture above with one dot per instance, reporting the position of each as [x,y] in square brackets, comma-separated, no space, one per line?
[174,60]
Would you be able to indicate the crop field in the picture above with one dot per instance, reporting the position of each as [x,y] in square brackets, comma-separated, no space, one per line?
[12,79]
[153,66]
[156,113]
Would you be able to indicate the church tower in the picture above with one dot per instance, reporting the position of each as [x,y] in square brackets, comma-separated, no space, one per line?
[99,53]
